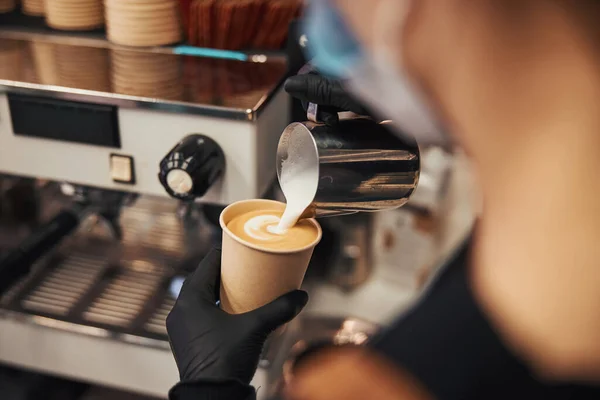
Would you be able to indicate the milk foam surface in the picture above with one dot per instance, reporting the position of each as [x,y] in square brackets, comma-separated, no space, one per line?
[263,227]
[259,227]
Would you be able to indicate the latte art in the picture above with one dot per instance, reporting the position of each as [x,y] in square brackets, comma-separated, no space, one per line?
[261,227]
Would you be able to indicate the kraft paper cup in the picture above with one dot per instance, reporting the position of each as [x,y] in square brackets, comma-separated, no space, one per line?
[75,14]
[36,8]
[252,276]
[140,23]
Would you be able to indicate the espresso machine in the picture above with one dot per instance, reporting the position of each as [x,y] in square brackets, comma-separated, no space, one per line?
[114,166]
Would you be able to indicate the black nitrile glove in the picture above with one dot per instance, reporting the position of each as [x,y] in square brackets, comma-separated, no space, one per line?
[210,344]
[327,93]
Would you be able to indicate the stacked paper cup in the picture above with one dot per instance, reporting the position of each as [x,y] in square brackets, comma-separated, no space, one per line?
[143,22]
[74,15]
[34,7]
[147,75]
[7,6]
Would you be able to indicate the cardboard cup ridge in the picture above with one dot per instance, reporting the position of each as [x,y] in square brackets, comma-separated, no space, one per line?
[34,7]
[75,15]
[252,276]
[144,23]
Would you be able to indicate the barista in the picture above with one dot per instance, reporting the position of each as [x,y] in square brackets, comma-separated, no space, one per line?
[515,314]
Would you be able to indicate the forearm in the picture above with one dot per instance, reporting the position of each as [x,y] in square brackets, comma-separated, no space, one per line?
[353,374]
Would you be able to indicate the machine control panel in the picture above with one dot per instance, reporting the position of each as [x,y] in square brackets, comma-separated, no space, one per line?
[113,131]
[191,167]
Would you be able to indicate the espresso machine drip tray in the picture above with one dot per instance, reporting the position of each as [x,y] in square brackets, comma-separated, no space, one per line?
[87,290]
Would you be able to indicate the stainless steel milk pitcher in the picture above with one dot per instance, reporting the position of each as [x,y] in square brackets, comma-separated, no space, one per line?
[359,165]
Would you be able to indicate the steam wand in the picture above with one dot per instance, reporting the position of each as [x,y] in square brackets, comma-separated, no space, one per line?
[17,263]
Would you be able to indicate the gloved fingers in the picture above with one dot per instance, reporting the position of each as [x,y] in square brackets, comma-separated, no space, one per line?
[327,114]
[205,280]
[341,99]
[280,311]
[311,88]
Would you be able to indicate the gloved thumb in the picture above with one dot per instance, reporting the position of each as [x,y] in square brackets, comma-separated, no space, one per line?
[323,91]
[280,311]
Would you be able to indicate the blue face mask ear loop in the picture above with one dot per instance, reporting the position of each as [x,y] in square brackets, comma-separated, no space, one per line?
[332,47]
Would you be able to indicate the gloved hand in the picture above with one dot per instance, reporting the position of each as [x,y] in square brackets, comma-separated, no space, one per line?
[209,343]
[327,93]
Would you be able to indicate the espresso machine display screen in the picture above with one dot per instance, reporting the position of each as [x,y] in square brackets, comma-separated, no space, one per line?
[62,120]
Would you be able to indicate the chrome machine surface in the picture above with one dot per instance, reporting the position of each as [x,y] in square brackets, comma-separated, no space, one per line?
[120,111]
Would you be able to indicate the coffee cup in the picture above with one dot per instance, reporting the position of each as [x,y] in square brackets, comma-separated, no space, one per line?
[74,15]
[35,8]
[254,273]
[140,23]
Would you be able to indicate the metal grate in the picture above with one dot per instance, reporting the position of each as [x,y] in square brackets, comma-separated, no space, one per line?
[157,322]
[64,287]
[124,298]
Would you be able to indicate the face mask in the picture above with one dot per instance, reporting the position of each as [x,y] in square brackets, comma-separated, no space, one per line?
[374,78]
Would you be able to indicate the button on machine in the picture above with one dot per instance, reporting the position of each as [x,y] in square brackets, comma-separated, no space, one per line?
[122,169]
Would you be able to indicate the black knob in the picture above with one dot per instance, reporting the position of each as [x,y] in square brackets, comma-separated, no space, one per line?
[191,167]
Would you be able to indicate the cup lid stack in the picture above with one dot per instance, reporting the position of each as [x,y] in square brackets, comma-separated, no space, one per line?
[35,8]
[74,15]
[7,6]
[151,75]
[143,22]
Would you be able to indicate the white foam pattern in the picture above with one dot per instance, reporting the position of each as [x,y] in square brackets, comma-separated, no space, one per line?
[263,227]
